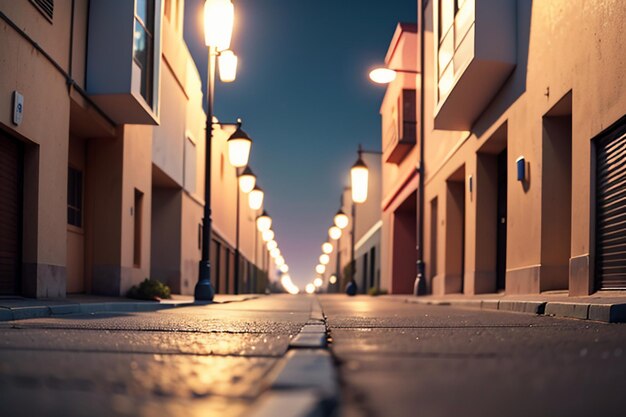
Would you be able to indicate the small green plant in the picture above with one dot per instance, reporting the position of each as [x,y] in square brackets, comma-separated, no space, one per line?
[150,289]
[373,291]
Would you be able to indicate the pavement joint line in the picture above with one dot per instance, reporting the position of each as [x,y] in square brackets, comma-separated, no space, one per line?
[607,313]
[31,312]
[304,382]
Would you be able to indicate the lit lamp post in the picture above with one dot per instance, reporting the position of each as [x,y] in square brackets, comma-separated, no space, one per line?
[218,28]
[341,221]
[359,176]
[246,180]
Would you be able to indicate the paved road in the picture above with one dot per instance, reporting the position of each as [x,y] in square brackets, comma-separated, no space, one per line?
[201,360]
[401,359]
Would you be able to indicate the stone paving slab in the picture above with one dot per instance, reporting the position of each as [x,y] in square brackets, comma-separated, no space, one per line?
[270,345]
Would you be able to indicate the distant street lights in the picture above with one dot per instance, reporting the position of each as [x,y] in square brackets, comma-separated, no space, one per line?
[218,28]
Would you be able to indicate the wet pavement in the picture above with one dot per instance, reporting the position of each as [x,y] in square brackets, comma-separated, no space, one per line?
[394,359]
[404,359]
[194,360]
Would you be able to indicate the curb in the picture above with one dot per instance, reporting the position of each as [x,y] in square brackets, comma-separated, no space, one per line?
[23,313]
[607,313]
[304,383]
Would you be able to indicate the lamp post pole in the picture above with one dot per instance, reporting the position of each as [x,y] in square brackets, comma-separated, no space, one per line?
[352,287]
[236,288]
[204,290]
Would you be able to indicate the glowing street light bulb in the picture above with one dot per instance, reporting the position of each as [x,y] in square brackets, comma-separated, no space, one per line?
[239,144]
[263,222]
[341,219]
[318,282]
[334,232]
[320,269]
[268,235]
[227,63]
[382,75]
[332,279]
[310,288]
[327,248]
[324,259]
[247,180]
[219,16]
[284,268]
[275,253]
[255,198]
[359,179]
[271,245]
[279,261]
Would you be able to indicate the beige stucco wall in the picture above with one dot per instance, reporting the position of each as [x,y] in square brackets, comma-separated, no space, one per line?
[45,138]
[563,46]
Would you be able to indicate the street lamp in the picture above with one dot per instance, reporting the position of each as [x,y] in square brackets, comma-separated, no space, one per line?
[247,180]
[239,144]
[320,269]
[271,245]
[327,248]
[263,222]
[274,253]
[384,75]
[341,219]
[255,198]
[324,259]
[268,235]
[334,232]
[219,16]
[359,175]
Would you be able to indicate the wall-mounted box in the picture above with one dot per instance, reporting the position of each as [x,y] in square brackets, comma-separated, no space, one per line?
[123,59]
[476,44]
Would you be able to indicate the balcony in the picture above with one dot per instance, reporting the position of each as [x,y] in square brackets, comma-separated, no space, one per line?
[123,59]
[475,56]
[400,135]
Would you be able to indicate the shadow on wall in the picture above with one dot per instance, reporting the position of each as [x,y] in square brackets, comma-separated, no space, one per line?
[515,85]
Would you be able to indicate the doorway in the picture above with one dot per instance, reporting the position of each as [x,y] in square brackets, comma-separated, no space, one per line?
[455,232]
[11,162]
[556,195]
[404,252]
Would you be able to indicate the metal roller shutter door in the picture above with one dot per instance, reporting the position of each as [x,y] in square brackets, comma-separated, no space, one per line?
[10,214]
[611,209]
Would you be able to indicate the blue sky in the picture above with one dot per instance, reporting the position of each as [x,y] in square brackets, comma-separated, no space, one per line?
[303,93]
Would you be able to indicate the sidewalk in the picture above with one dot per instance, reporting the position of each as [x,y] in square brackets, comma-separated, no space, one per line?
[20,308]
[604,306]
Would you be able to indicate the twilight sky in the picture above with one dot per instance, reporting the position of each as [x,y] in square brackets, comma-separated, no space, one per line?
[303,93]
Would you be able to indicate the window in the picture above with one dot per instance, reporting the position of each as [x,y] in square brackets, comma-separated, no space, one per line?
[143,46]
[74,197]
[138,214]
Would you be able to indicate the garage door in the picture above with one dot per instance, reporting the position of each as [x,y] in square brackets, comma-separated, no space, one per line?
[611,209]
[10,214]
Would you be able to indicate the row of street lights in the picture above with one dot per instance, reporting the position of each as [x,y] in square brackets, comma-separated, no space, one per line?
[359,184]
[219,16]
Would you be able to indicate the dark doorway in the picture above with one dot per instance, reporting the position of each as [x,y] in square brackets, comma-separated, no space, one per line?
[10,214]
[501,220]
[404,253]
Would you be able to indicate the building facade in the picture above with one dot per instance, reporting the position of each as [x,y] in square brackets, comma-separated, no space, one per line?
[102,134]
[523,130]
